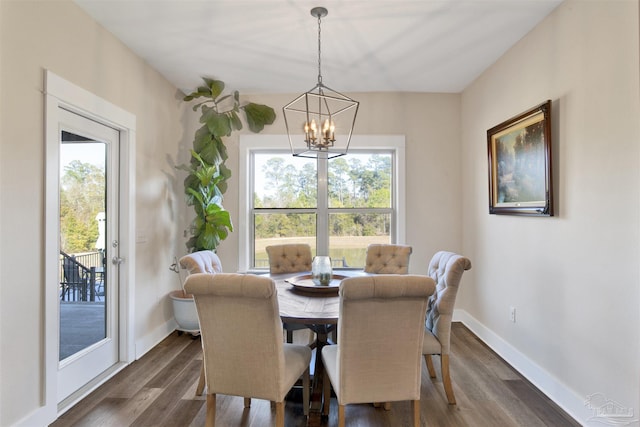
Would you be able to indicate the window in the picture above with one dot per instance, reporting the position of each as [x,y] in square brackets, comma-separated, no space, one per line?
[337,206]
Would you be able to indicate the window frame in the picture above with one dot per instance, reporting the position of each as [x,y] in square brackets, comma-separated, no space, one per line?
[250,144]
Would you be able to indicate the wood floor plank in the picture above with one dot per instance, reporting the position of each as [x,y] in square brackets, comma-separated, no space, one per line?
[178,363]
[184,412]
[488,414]
[541,405]
[489,393]
[104,413]
[115,412]
[141,371]
[468,344]
[164,404]
[482,389]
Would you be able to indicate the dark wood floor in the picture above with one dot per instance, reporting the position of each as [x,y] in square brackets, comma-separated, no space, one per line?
[159,390]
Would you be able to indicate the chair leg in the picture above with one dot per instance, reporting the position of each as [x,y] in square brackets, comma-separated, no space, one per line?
[416,412]
[430,368]
[210,420]
[200,388]
[280,414]
[340,415]
[326,388]
[289,336]
[306,384]
[247,402]
[446,379]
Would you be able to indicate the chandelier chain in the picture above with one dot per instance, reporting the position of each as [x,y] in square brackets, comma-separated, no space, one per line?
[319,52]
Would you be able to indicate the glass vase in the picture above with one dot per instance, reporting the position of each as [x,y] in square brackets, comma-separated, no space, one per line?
[321,270]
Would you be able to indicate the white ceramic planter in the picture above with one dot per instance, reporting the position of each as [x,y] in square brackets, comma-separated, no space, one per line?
[184,311]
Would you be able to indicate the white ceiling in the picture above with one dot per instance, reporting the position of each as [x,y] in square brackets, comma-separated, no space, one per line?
[271,46]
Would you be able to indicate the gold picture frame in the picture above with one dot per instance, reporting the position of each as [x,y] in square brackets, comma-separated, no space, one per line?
[519,152]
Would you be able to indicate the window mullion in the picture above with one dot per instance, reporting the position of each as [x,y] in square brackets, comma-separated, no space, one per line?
[322,217]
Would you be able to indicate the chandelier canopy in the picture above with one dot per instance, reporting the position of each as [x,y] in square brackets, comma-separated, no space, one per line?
[320,121]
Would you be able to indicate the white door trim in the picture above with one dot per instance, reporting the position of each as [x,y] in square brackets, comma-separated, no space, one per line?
[62,93]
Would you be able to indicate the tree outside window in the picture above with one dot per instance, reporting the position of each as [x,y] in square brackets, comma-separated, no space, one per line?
[359,200]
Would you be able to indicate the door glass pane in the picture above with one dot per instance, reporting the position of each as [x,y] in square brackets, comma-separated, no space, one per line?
[351,233]
[83,283]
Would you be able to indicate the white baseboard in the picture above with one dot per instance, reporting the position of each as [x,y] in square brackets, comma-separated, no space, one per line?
[555,390]
[43,416]
[47,414]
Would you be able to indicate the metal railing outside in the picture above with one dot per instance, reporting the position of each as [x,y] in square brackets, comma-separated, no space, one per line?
[81,276]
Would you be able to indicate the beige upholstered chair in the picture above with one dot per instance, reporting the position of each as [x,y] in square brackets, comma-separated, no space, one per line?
[383,366]
[387,259]
[446,269]
[289,258]
[242,341]
[201,262]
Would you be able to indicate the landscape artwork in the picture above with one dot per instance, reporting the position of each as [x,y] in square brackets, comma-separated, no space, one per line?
[520,164]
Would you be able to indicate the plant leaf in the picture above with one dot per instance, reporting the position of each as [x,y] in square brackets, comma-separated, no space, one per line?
[208,239]
[201,139]
[259,115]
[201,91]
[236,123]
[218,124]
[211,155]
[215,86]
[222,149]
[224,173]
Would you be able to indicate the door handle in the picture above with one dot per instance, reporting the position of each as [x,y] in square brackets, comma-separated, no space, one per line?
[117,260]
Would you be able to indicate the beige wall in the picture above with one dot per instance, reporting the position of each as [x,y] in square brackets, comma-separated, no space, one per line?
[60,37]
[573,278]
[430,123]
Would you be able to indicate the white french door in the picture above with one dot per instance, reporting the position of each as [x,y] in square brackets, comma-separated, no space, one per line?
[89,251]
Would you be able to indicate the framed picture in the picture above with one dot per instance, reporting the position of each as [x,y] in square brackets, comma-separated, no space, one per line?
[520,164]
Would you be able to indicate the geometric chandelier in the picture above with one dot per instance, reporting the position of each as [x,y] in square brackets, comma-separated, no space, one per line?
[320,122]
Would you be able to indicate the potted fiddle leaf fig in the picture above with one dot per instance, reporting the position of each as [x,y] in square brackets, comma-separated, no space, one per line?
[206,182]
[207,176]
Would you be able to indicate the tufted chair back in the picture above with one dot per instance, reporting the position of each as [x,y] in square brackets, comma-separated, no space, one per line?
[289,258]
[242,341]
[381,328]
[201,262]
[387,259]
[446,270]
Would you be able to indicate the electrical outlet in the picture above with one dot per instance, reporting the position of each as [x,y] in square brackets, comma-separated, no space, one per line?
[512,314]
